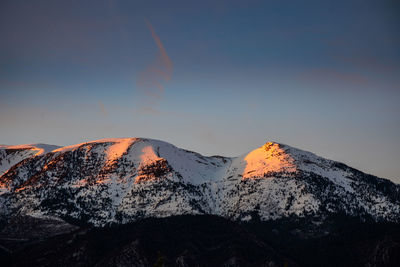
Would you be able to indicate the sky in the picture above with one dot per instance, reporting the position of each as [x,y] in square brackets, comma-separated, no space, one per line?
[216,77]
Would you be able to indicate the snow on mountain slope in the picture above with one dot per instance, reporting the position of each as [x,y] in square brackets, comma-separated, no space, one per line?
[11,155]
[122,180]
[270,158]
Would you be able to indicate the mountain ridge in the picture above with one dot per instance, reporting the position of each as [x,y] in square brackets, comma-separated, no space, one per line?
[119,180]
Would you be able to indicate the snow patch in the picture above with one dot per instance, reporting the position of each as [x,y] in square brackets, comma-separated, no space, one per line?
[119,147]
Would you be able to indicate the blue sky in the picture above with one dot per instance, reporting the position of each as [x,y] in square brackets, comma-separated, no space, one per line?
[323,76]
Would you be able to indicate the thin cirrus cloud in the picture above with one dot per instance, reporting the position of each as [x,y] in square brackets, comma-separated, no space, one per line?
[370,63]
[151,80]
[332,76]
[103,109]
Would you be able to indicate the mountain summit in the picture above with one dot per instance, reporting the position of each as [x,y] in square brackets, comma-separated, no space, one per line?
[121,180]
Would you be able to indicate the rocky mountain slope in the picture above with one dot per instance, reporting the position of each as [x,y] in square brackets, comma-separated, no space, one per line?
[11,155]
[122,180]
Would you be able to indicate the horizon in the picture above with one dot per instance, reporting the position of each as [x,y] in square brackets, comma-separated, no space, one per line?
[219,77]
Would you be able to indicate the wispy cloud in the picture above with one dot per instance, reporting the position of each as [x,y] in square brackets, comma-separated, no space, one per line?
[103,109]
[167,63]
[151,80]
[376,64]
[333,76]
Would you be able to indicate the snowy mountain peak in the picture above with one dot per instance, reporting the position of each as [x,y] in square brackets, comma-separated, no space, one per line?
[268,145]
[38,149]
[125,179]
[268,159]
[117,142]
[11,155]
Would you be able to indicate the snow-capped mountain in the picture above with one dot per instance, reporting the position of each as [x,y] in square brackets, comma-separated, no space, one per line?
[122,180]
[11,155]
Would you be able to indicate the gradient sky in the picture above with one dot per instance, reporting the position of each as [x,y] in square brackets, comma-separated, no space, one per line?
[217,77]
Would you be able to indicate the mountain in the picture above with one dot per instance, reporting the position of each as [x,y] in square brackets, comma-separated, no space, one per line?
[113,181]
[143,202]
[11,155]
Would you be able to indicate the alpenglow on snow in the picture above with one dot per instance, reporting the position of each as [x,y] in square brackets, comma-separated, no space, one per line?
[126,179]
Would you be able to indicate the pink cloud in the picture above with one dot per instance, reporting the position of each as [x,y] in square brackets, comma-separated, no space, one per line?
[333,76]
[151,80]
